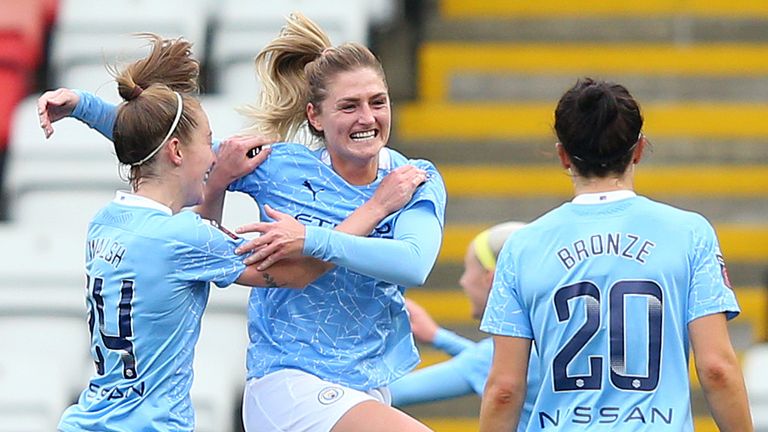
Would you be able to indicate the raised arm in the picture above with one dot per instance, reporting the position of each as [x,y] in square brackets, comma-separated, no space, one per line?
[719,373]
[54,105]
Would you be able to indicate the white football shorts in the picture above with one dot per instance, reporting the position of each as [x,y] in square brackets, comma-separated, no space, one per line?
[291,400]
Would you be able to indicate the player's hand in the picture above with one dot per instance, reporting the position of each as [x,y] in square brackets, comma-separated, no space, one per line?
[398,187]
[423,326]
[53,106]
[281,239]
[233,161]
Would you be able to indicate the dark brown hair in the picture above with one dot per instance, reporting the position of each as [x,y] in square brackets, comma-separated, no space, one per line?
[598,123]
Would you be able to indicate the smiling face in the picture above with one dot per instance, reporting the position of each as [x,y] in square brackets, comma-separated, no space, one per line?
[198,160]
[354,118]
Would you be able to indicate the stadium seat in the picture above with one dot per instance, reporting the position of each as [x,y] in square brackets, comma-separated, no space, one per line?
[44,362]
[237,81]
[14,83]
[65,208]
[220,360]
[94,77]
[74,157]
[90,32]
[223,116]
[243,30]
[22,33]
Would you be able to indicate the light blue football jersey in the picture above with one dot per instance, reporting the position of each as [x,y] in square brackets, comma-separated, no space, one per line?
[148,275]
[607,291]
[344,327]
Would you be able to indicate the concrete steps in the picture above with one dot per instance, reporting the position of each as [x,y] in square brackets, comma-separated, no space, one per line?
[488,76]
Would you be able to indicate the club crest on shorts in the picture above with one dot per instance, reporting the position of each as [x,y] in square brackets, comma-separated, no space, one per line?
[330,395]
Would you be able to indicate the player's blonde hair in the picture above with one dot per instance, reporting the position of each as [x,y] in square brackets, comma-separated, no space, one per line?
[295,69]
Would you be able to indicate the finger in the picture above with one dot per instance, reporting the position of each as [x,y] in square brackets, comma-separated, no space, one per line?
[257,160]
[260,227]
[251,245]
[42,116]
[274,214]
[269,261]
[262,254]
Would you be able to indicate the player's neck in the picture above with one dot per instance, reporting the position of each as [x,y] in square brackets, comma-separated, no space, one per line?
[356,172]
[160,193]
[582,185]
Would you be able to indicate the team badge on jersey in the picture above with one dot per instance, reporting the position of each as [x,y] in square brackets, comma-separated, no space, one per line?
[724,271]
[330,395]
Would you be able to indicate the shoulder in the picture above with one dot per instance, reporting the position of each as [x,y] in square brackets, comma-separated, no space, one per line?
[187,227]
[661,214]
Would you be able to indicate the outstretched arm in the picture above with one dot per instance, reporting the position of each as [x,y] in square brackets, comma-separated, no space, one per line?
[719,373]
[433,383]
[55,105]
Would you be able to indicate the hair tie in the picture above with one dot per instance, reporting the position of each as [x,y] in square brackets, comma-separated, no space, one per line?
[326,51]
[135,92]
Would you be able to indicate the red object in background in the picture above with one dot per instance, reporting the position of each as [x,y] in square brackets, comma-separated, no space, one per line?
[50,11]
[22,33]
[14,85]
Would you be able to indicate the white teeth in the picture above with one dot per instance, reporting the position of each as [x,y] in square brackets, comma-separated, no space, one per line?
[362,136]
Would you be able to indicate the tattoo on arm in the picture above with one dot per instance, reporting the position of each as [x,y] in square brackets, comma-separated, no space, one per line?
[270,281]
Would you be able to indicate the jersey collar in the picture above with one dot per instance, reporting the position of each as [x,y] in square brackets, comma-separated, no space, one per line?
[129,199]
[603,197]
[385,159]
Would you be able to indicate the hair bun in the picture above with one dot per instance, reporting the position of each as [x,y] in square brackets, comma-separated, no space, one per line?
[134,93]
[590,97]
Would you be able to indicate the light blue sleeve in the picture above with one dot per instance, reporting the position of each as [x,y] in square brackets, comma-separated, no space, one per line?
[95,112]
[710,290]
[450,342]
[433,383]
[404,260]
[505,313]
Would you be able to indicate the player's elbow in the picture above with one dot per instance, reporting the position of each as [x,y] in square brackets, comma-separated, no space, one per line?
[717,372]
[415,278]
[504,392]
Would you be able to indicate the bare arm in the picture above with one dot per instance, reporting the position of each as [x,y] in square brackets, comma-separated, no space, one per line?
[290,273]
[505,390]
[720,373]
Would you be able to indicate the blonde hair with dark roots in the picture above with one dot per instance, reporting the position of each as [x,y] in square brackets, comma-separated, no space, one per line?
[149,108]
[295,69]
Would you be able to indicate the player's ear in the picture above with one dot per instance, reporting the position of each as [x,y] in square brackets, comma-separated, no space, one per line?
[174,150]
[312,115]
[565,160]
